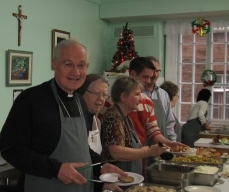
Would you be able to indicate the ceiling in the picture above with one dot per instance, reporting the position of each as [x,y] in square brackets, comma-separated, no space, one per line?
[206,15]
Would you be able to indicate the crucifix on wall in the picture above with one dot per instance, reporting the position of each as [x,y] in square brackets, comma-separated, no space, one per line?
[20,18]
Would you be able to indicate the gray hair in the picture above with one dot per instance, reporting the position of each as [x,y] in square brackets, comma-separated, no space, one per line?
[104,80]
[124,84]
[171,88]
[89,79]
[65,43]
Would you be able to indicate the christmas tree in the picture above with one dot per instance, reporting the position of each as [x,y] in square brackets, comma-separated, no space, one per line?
[126,49]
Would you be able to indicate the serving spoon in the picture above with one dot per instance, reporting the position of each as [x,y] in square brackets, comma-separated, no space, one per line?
[165,155]
[99,181]
[91,165]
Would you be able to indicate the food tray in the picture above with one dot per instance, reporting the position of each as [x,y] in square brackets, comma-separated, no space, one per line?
[151,184]
[206,179]
[170,174]
[222,160]
[168,171]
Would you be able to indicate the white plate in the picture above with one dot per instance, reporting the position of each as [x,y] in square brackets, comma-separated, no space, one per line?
[113,177]
[192,150]
[201,189]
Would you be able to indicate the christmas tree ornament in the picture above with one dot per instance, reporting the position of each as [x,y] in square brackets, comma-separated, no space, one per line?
[126,50]
[200,27]
[208,78]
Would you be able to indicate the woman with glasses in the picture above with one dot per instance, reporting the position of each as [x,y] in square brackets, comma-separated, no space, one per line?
[172,90]
[95,92]
[119,139]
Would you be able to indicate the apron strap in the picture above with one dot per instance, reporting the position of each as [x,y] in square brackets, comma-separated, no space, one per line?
[54,90]
[129,125]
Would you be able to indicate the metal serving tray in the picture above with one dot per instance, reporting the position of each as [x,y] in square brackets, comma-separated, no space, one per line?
[150,184]
[170,174]
[206,179]
[222,161]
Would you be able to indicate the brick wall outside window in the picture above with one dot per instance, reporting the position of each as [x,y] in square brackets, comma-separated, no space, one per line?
[196,55]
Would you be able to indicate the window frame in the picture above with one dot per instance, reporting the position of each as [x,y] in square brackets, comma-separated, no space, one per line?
[209,65]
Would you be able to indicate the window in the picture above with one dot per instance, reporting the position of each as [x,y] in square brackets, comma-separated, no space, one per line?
[195,55]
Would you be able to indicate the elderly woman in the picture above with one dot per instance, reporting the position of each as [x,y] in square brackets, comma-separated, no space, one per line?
[94,91]
[119,140]
[172,90]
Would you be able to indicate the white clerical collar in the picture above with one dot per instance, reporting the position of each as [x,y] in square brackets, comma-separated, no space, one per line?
[69,95]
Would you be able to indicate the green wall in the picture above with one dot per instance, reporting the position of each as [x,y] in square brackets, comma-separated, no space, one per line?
[79,17]
[154,12]
[145,45]
[92,23]
[142,9]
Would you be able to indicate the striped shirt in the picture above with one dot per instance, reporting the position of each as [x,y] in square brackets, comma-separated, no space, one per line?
[144,119]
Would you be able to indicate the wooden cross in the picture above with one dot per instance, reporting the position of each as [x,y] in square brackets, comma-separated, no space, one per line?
[20,17]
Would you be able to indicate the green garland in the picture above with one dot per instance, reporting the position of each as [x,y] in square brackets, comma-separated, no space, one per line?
[208,81]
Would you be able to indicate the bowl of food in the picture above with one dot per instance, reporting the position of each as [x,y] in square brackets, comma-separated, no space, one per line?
[225,141]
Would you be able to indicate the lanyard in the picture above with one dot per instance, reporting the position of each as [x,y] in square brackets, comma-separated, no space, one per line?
[129,125]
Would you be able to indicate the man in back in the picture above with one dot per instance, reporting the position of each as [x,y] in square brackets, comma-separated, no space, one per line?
[160,98]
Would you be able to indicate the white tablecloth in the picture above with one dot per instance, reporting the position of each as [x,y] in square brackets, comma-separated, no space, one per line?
[206,142]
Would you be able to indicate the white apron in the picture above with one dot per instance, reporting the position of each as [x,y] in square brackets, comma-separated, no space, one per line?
[94,136]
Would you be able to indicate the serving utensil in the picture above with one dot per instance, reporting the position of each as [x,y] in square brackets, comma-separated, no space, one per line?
[165,155]
[99,181]
[91,165]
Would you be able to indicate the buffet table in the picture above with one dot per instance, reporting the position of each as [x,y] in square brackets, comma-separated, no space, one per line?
[223,187]
[206,134]
[206,142]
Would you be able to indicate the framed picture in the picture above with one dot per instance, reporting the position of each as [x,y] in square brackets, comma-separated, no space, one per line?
[58,36]
[16,92]
[19,68]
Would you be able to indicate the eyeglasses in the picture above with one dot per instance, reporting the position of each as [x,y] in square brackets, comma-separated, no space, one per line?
[97,94]
[68,66]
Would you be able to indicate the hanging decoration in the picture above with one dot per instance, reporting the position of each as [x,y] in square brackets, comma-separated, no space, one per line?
[201,27]
[208,78]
